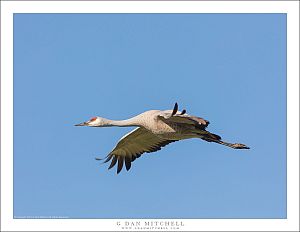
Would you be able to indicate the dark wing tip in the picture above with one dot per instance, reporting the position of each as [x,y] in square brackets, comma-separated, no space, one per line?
[113,162]
[108,158]
[127,163]
[175,109]
[183,112]
[120,164]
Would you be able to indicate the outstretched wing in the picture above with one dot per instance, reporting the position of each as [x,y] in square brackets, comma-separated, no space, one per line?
[133,145]
[176,116]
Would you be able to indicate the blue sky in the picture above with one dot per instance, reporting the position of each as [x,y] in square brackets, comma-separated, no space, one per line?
[227,68]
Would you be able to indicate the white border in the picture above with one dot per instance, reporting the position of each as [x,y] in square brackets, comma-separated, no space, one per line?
[7,10]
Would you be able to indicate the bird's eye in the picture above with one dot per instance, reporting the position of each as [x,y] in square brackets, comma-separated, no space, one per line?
[93,119]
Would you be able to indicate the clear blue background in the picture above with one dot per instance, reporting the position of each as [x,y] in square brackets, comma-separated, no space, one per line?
[227,68]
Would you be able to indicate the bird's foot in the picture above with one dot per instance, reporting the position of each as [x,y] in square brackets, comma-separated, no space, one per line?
[240,146]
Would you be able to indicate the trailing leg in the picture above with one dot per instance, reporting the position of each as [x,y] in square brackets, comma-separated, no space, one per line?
[210,137]
[232,145]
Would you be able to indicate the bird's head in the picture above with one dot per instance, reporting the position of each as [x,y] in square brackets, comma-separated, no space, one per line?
[95,122]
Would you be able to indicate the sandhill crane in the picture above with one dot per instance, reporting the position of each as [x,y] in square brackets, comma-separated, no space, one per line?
[155,129]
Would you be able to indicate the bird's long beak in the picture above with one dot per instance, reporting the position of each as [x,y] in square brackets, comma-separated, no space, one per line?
[81,124]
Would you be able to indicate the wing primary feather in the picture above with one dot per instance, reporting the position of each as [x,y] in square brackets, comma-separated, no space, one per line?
[183,112]
[175,109]
[120,163]
[113,162]
[127,163]
[108,159]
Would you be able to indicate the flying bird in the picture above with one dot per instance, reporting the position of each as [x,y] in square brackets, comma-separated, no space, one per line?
[155,129]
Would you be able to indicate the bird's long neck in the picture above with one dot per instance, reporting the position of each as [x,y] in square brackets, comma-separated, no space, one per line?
[135,121]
